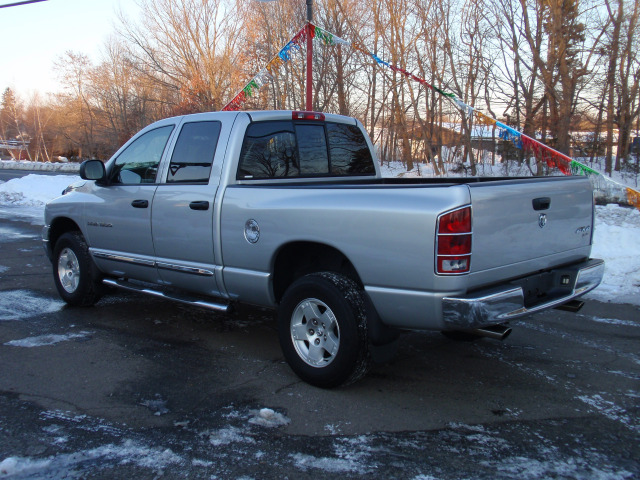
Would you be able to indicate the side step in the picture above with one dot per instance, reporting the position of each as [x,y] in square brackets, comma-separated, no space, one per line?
[194,301]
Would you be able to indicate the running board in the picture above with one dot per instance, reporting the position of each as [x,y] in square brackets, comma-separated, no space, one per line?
[196,302]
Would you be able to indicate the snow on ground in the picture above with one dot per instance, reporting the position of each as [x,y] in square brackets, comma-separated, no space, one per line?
[496,451]
[265,417]
[18,304]
[157,405]
[617,241]
[45,340]
[128,451]
[617,230]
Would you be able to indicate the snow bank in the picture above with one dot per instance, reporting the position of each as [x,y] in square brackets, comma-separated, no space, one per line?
[34,190]
[39,166]
[616,240]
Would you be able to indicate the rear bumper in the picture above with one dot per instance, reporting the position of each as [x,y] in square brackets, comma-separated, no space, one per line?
[507,302]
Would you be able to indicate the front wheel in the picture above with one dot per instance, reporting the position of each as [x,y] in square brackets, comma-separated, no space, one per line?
[322,326]
[73,271]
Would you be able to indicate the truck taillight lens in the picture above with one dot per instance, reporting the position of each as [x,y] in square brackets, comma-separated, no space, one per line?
[453,242]
[458,221]
[308,116]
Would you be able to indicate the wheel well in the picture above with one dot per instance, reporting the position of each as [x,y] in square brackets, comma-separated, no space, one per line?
[59,227]
[301,258]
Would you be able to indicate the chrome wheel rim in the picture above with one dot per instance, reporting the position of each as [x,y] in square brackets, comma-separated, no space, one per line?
[315,332]
[68,270]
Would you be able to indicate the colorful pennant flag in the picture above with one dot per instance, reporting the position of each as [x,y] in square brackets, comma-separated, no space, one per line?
[283,56]
[261,78]
[551,157]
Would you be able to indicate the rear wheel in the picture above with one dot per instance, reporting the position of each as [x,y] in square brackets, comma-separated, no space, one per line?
[322,325]
[74,272]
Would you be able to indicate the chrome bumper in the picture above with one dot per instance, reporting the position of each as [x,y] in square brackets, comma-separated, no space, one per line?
[507,302]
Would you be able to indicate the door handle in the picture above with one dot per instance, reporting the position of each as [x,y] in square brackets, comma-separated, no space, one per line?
[542,203]
[199,205]
[140,203]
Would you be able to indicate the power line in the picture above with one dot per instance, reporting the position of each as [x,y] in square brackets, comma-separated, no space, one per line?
[25,2]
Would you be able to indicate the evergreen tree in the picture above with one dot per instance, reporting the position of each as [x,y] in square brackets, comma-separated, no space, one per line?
[8,124]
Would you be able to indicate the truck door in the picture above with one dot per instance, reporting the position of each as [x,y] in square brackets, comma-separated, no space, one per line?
[183,214]
[118,215]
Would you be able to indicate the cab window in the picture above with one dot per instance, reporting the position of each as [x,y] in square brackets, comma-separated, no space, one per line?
[139,161]
[303,149]
[194,151]
[350,154]
[269,151]
[312,143]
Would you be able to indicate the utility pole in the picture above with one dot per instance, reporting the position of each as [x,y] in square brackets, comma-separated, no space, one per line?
[309,105]
[309,95]
[25,2]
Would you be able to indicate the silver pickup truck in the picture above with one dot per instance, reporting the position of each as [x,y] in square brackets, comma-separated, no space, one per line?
[288,210]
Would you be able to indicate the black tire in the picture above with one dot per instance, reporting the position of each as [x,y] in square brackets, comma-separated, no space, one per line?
[74,273]
[329,355]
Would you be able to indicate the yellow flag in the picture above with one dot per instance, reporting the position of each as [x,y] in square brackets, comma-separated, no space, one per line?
[633,198]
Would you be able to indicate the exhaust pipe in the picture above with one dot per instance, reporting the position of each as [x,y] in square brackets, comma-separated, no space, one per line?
[497,332]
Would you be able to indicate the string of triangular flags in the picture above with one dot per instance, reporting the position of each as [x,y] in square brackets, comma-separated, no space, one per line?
[548,155]
[283,56]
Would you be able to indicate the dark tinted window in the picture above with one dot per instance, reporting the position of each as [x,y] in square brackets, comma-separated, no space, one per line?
[269,150]
[312,146]
[285,149]
[139,162]
[194,151]
[349,151]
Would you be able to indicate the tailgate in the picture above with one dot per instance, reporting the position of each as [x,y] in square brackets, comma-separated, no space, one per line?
[525,220]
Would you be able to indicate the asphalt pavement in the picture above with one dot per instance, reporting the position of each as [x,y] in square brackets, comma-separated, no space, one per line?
[137,387]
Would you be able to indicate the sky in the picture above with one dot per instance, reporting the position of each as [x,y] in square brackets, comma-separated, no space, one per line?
[33,36]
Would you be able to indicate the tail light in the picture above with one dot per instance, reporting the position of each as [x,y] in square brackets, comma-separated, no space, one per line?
[453,242]
[307,116]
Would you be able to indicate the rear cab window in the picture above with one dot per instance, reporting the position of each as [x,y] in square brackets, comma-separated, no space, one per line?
[290,149]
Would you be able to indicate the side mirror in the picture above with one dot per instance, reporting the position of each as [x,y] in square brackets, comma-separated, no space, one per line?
[93,170]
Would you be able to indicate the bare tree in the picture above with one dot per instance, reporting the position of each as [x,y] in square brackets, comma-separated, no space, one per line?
[126,99]
[559,61]
[73,69]
[190,46]
[38,116]
[629,81]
